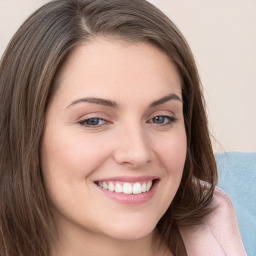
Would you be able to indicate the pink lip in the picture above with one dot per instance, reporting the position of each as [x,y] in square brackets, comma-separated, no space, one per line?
[131,198]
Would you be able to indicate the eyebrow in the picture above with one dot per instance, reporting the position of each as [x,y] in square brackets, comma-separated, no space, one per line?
[110,103]
[168,97]
[104,102]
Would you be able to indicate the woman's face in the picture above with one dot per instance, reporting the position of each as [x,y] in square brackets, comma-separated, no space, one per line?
[114,142]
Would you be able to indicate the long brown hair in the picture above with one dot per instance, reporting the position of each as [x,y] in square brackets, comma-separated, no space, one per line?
[27,75]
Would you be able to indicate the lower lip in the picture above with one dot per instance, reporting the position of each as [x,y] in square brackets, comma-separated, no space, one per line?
[131,198]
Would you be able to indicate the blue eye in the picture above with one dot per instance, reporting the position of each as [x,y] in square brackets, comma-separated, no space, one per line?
[162,120]
[95,121]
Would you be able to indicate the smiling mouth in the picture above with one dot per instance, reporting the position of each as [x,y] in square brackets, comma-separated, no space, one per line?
[126,187]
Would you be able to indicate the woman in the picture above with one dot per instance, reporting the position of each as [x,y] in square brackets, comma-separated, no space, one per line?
[104,142]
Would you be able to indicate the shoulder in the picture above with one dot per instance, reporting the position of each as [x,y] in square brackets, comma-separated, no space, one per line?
[221,200]
[223,224]
[218,233]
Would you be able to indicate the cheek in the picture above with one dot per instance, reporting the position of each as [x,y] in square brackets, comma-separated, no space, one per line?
[172,151]
[73,156]
[67,161]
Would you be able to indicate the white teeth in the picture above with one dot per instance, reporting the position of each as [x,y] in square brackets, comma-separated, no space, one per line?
[118,188]
[105,185]
[126,188]
[149,185]
[136,188]
[144,187]
[111,187]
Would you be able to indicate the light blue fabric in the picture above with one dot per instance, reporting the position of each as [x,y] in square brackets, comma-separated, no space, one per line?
[237,177]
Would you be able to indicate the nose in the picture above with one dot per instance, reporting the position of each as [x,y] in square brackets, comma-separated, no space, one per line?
[133,148]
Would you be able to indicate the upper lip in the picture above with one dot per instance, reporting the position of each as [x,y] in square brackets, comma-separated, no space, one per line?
[129,178]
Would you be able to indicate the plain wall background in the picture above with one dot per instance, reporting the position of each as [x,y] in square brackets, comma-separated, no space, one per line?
[222,36]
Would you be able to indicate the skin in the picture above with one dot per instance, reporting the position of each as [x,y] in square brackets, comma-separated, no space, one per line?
[127,140]
[136,130]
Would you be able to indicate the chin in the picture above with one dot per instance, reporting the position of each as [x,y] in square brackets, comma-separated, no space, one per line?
[131,230]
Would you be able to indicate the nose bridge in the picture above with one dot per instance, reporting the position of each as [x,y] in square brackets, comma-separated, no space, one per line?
[133,145]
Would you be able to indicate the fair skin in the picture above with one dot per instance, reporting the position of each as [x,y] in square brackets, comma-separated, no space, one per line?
[115,120]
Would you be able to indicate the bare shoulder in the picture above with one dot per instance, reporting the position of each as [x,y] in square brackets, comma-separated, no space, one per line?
[218,233]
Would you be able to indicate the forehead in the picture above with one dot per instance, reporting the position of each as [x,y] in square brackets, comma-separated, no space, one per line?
[114,65]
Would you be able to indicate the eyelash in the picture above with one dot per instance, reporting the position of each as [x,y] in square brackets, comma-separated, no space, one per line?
[166,120]
[86,123]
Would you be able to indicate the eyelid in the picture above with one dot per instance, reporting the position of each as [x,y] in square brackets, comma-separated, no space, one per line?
[171,119]
[166,114]
[83,122]
[101,116]
[96,114]
[162,113]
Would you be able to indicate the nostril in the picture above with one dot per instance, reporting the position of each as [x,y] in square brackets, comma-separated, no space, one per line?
[132,148]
